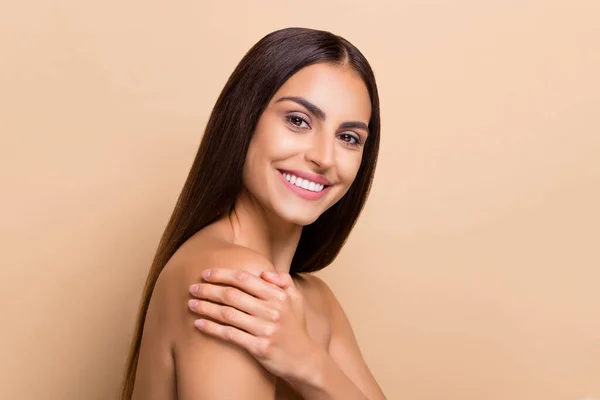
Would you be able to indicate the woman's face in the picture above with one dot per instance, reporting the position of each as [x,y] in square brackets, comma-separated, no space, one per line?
[308,143]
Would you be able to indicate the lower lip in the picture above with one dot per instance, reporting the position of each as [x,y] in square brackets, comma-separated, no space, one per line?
[305,194]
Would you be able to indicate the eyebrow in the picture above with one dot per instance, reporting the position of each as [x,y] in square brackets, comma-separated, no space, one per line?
[319,113]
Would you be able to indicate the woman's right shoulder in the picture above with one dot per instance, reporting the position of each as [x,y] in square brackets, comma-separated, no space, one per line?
[205,366]
[202,252]
[168,301]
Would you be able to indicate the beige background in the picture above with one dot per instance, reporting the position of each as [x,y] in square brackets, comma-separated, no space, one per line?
[474,272]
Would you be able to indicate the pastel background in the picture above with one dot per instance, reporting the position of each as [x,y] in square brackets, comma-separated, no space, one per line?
[474,272]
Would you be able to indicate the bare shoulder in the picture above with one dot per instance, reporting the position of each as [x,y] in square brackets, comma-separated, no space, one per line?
[170,343]
[206,251]
[186,266]
[317,291]
[204,365]
[320,291]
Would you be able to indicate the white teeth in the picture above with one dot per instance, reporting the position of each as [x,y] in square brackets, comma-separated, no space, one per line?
[303,183]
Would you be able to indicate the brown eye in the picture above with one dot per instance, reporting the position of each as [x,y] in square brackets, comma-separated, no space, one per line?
[297,122]
[346,137]
[350,140]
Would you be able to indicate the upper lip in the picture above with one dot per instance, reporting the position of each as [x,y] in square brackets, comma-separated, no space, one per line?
[316,178]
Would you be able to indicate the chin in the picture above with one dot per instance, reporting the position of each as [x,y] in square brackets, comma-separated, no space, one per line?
[298,217]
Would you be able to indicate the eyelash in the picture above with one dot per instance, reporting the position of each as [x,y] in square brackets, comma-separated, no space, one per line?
[357,143]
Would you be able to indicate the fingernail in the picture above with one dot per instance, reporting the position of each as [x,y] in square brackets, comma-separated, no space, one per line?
[199,323]
[271,274]
[207,273]
[194,288]
[192,303]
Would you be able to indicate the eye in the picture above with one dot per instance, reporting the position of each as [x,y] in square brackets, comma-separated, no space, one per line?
[350,139]
[297,121]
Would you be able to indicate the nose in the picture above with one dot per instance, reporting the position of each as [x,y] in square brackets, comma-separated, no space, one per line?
[321,151]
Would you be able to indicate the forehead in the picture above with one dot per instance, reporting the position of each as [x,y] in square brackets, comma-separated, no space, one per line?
[337,90]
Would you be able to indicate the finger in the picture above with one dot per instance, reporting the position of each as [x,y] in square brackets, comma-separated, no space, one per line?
[240,279]
[272,277]
[280,279]
[230,316]
[283,280]
[229,334]
[233,297]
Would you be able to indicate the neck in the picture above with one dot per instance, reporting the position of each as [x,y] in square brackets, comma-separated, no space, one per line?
[260,230]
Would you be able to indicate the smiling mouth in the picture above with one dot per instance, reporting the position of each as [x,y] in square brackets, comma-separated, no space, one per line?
[303,183]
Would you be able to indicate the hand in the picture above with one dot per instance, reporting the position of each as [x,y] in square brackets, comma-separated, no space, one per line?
[264,316]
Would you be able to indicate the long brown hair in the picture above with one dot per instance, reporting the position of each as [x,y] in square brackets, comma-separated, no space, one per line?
[220,159]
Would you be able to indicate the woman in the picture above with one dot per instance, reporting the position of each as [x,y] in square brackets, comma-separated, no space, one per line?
[281,175]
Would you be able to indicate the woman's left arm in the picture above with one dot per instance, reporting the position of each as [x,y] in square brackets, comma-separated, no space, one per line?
[344,349]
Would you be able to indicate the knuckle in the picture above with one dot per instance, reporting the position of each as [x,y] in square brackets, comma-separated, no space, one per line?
[228,314]
[282,297]
[242,276]
[270,330]
[231,295]
[265,348]
[276,315]
[228,333]
[256,349]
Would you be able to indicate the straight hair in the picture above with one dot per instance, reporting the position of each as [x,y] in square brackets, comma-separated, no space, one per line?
[219,162]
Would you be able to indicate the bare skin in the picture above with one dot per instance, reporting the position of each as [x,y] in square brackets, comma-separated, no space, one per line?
[210,368]
[315,355]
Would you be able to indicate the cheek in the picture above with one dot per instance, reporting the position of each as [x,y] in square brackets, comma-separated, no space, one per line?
[274,145]
[270,143]
[348,167]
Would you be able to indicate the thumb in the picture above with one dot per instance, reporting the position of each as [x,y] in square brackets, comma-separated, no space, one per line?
[280,279]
